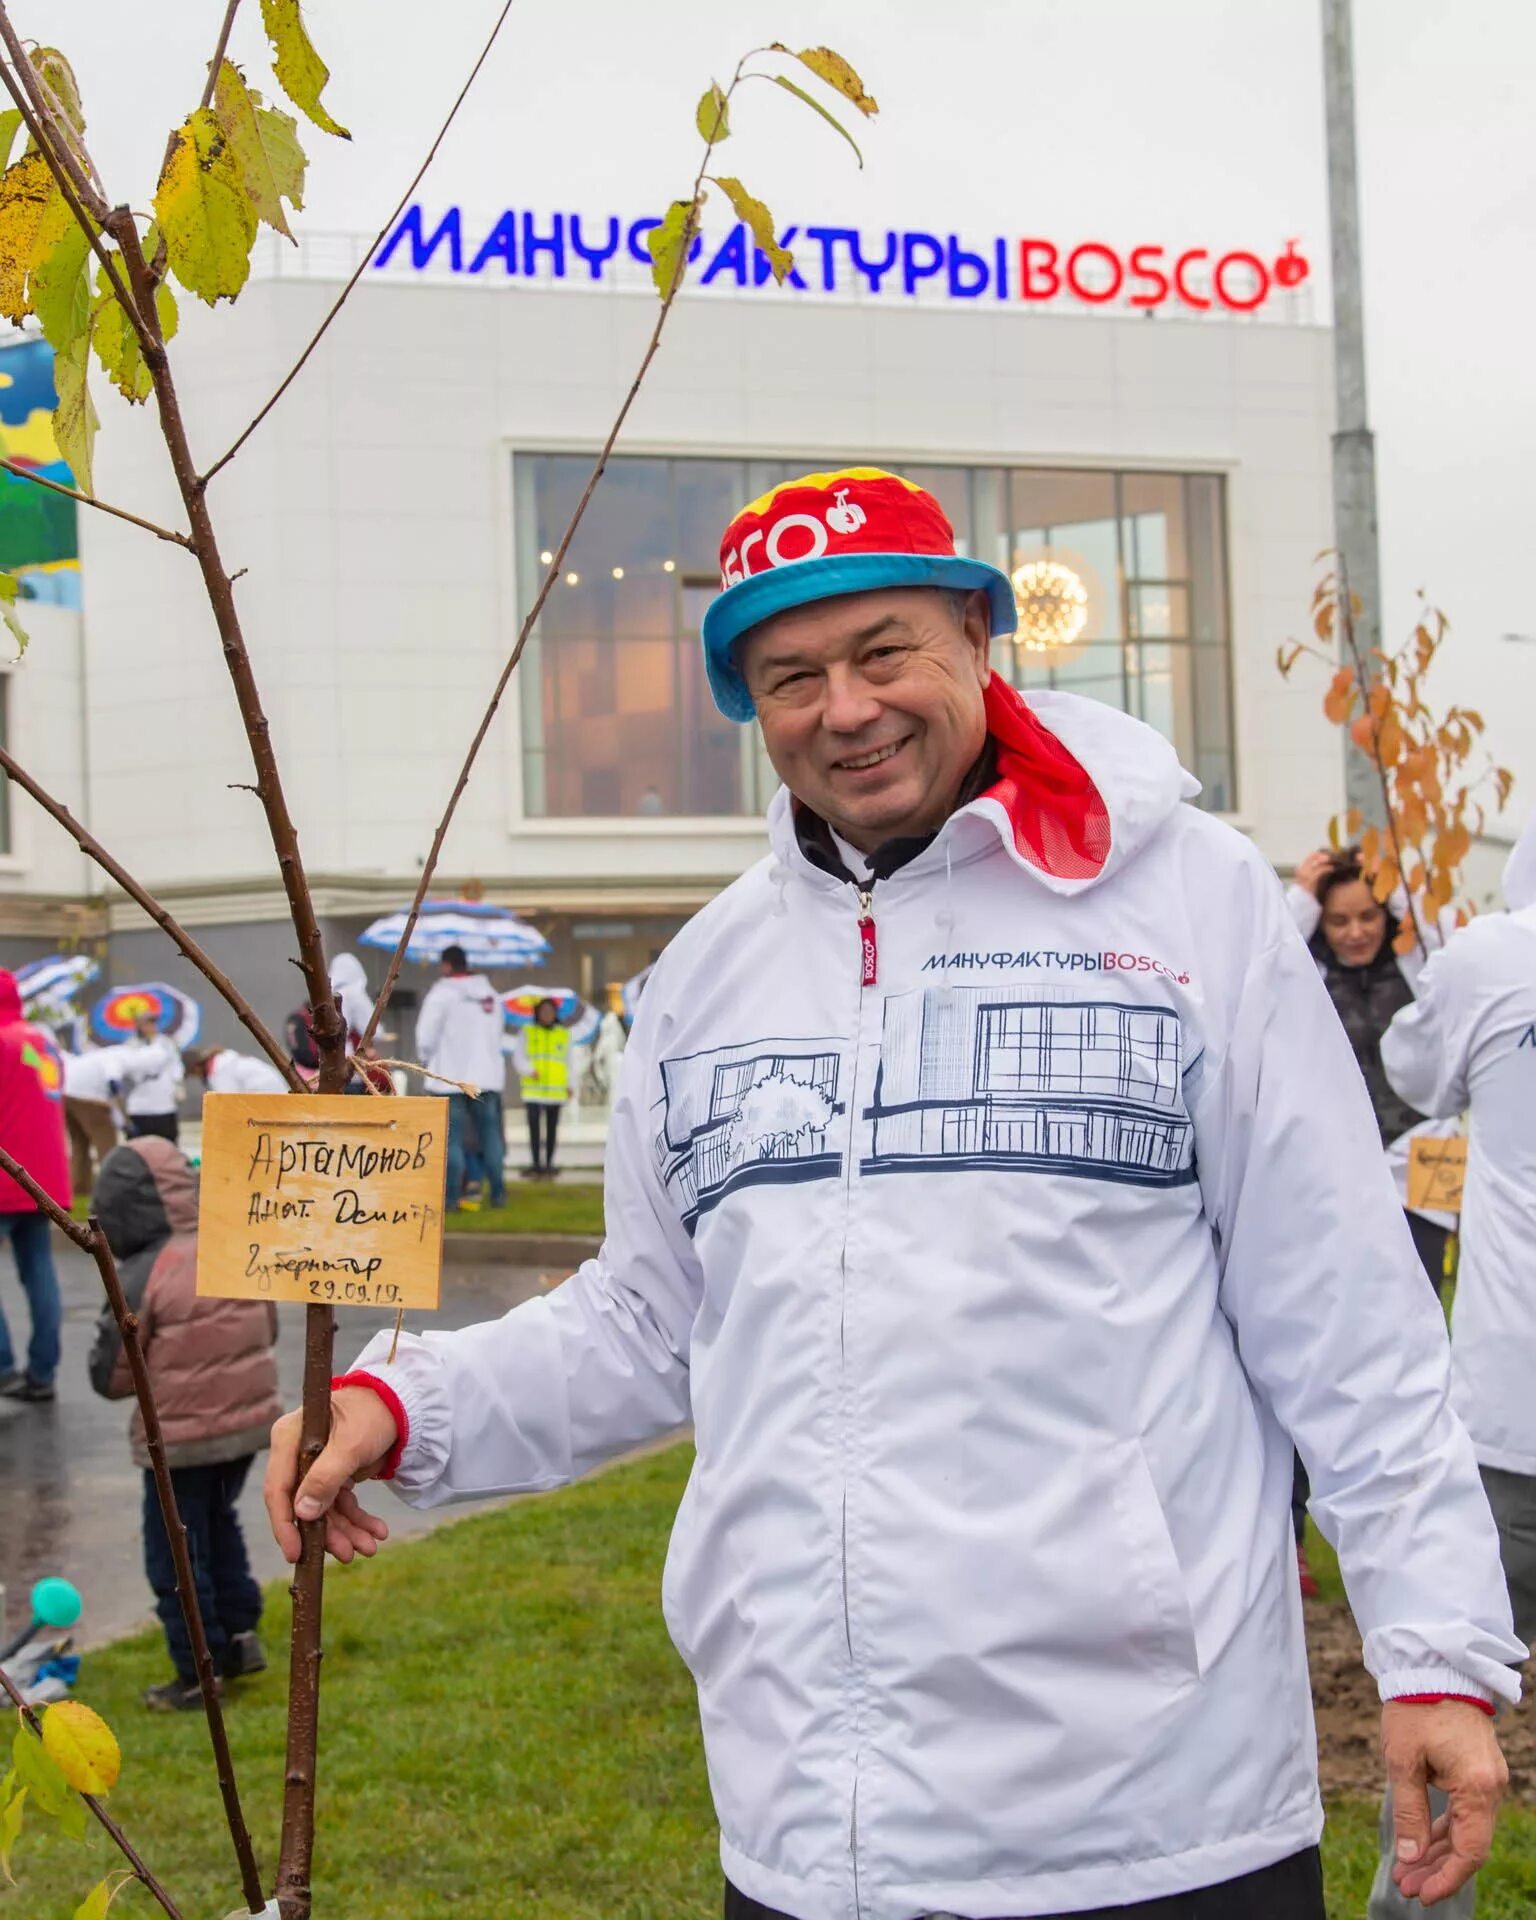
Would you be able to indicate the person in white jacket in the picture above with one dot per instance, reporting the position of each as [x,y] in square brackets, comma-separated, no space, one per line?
[969,1190]
[152,1081]
[1467,1044]
[459,1035]
[222,1070]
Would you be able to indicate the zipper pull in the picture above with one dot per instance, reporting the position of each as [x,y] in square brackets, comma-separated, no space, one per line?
[869,948]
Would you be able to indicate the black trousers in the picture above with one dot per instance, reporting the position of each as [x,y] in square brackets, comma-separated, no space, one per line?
[164,1126]
[1290,1890]
[227,1592]
[545,1114]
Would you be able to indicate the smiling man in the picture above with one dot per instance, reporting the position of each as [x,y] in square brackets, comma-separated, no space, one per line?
[991,1184]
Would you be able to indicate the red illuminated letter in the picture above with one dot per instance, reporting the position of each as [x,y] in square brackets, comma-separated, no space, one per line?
[1187,260]
[1097,249]
[1038,281]
[1143,268]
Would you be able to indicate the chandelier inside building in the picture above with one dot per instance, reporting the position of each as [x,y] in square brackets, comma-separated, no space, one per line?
[1053,604]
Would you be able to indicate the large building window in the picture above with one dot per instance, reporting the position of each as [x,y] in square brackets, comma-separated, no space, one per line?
[617,717]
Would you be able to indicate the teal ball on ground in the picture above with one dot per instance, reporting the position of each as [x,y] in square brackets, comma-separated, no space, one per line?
[56,1602]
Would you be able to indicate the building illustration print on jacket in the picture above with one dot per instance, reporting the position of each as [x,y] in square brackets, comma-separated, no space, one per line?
[977,1077]
[757,1114]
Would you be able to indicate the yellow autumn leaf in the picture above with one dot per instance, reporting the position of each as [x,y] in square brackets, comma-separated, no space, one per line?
[58,76]
[713,117]
[34,216]
[74,419]
[668,242]
[82,1746]
[301,73]
[116,343]
[204,210]
[59,287]
[759,222]
[95,1904]
[10,1827]
[265,145]
[836,72]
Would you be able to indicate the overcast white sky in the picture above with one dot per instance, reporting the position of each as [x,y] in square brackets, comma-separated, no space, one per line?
[1121,120]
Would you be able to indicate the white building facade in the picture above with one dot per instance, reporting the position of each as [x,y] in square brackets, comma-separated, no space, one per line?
[391,518]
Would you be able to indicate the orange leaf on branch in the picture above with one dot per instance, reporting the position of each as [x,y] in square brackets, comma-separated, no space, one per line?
[1340,696]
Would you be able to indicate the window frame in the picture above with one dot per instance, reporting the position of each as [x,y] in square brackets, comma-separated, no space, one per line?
[980,478]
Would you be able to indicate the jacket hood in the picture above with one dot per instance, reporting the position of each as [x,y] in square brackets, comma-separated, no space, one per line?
[10,998]
[473,985]
[145,1192]
[1133,772]
[347,971]
[1519,871]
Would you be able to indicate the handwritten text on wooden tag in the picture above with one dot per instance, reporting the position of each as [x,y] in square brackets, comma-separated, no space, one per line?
[331,1199]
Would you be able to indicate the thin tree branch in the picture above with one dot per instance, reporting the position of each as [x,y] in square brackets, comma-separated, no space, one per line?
[45,110]
[552,574]
[93,1241]
[88,224]
[215,975]
[220,47]
[1364,680]
[181,1558]
[101,506]
[305,1650]
[367,259]
[120,1839]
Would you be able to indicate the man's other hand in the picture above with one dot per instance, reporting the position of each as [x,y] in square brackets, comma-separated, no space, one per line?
[362,1437]
[1449,1744]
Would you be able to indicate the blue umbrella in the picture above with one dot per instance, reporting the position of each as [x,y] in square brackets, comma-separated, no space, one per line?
[490,936]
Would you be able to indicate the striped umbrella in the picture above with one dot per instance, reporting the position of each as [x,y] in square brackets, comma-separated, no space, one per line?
[57,979]
[571,1011]
[490,936]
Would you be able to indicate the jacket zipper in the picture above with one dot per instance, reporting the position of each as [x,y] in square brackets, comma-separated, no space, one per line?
[869,971]
[869,945]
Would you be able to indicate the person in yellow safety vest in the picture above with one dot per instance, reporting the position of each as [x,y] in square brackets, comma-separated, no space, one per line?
[542,1055]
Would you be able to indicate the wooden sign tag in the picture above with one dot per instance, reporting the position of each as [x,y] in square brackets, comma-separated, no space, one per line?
[331,1199]
[1437,1171]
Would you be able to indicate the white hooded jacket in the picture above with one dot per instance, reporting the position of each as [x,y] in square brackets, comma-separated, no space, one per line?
[994,1290]
[1469,1042]
[350,985]
[459,1033]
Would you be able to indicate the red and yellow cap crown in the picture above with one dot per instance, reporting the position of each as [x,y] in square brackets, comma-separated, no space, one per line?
[853,531]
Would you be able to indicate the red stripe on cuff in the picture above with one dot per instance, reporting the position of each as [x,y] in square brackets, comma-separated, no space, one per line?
[391,1400]
[1434,1699]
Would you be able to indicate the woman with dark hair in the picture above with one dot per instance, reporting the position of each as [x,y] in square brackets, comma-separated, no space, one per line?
[1350,935]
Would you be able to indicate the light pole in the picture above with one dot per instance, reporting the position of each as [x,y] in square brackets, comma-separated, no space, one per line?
[1354,445]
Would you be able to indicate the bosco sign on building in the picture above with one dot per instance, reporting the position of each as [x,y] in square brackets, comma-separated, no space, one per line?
[892,264]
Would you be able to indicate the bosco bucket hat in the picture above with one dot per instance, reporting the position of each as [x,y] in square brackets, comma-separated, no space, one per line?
[827,534]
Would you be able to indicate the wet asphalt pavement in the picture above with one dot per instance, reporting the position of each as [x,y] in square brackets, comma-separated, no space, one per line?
[70,1495]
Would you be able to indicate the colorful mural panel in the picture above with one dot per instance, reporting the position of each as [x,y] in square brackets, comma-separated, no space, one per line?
[38,536]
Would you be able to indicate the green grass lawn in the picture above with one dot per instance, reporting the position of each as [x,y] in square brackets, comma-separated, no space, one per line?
[506,1735]
[537,1206]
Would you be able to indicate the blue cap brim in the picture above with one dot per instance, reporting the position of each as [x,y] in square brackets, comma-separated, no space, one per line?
[761,595]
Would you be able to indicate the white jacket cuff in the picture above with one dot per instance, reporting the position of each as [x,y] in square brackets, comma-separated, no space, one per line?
[504,1384]
[1407,1681]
